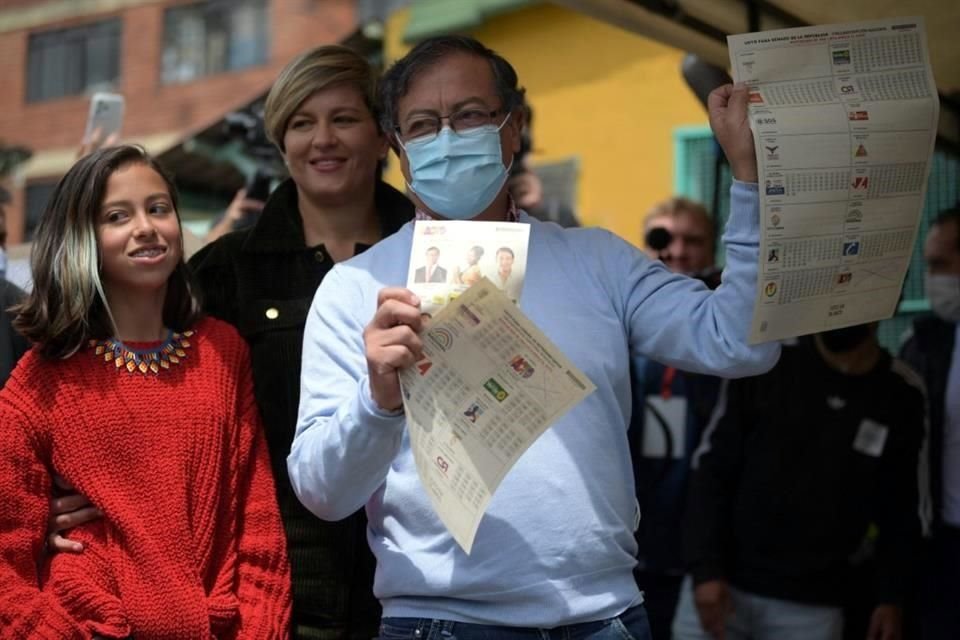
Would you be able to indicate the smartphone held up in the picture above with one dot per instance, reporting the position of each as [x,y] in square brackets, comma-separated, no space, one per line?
[106,115]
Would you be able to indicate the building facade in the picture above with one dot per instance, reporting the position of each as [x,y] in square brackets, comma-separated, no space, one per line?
[180,64]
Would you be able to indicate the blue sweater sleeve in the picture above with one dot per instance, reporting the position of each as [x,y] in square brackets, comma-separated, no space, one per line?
[678,321]
[331,431]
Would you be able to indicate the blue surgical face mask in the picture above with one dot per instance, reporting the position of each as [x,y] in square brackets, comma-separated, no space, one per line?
[943,291]
[458,175]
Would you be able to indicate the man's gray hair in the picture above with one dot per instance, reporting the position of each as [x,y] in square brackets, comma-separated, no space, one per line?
[396,81]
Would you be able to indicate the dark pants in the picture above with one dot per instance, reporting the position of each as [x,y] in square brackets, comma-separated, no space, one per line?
[661,592]
[630,625]
[941,602]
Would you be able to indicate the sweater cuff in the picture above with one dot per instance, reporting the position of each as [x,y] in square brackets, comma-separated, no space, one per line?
[369,413]
[743,225]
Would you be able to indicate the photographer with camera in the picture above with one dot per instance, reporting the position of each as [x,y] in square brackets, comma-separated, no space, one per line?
[526,187]
[670,410]
[242,213]
[244,210]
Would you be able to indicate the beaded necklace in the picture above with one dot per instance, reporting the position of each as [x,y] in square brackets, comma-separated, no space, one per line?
[170,351]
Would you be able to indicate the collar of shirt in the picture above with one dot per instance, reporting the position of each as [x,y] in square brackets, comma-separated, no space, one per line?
[512,212]
[279,229]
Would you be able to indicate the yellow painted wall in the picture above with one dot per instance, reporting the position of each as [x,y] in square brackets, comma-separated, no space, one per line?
[606,96]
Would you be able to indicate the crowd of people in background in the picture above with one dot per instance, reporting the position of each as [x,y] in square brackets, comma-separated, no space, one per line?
[249,399]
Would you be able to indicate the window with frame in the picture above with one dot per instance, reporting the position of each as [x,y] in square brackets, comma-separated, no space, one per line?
[73,61]
[212,37]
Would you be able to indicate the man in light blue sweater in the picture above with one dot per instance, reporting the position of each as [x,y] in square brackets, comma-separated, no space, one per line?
[555,549]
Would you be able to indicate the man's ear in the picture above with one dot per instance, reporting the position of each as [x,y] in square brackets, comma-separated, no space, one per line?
[384,146]
[518,120]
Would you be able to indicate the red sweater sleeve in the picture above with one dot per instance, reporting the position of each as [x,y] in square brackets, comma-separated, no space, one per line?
[264,573]
[25,610]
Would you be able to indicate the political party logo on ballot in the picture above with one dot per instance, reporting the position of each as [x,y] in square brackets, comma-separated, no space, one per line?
[494,388]
[774,188]
[859,115]
[854,215]
[441,337]
[473,412]
[860,183]
[772,152]
[861,152]
[755,97]
[770,289]
[522,368]
[775,220]
[851,248]
[423,366]
[841,56]
[845,277]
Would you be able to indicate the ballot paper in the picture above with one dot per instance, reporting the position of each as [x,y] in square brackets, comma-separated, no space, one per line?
[488,385]
[844,120]
[448,256]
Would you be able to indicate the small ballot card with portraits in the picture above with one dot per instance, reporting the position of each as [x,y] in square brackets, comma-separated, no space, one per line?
[447,257]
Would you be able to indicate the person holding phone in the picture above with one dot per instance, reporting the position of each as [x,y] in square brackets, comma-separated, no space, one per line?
[106,116]
[147,408]
[242,213]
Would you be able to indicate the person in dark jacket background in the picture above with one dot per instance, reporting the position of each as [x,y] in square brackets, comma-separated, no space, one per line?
[793,469]
[934,351]
[12,344]
[670,410]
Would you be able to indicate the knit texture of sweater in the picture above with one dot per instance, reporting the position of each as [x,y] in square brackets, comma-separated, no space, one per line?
[191,544]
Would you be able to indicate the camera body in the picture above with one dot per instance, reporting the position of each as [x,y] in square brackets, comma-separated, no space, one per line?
[248,127]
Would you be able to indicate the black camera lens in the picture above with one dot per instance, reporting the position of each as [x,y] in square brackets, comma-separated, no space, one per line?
[658,238]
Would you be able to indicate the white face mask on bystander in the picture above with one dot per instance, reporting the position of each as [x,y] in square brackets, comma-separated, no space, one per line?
[943,291]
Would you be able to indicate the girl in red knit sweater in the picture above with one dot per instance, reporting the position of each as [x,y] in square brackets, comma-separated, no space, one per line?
[148,410]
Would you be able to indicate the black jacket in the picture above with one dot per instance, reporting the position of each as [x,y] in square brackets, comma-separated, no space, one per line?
[928,351]
[12,344]
[262,281]
[784,487]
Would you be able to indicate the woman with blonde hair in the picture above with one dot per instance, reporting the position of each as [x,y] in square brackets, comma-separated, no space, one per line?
[147,408]
[321,114]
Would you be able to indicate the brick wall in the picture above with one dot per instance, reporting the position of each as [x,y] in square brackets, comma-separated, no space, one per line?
[152,107]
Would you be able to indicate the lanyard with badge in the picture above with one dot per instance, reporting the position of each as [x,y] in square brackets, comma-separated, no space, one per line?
[665,421]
